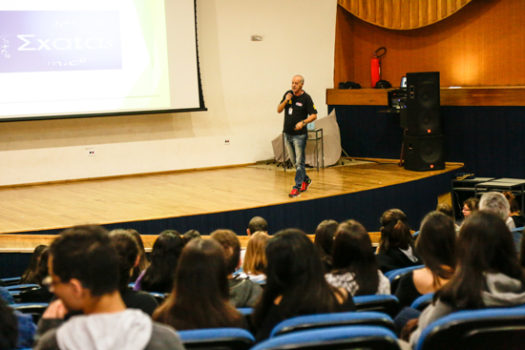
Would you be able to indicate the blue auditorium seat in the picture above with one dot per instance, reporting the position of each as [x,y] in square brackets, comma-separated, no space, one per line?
[493,328]
[386,303]
[394,275]
[344,337]
[421,302]
[217,338]
[335,319]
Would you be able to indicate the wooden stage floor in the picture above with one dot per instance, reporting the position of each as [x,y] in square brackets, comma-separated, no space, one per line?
[183,193]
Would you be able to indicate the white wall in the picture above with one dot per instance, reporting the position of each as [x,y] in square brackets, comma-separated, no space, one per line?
[243,82]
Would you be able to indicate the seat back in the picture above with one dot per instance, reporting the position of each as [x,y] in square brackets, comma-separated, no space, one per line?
[9,281]
[421,302]
[300,323]
[34,309]
[245,311]
[344,337]
[217,339]
[386,303]
[494,328]
[394,275]
[159,296]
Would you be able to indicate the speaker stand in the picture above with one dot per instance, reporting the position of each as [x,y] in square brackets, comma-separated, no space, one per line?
[402,153]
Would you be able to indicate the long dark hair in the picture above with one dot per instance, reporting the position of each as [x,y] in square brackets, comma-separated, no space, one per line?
[35,272]
[127,250]
[353,253]
[436,245]
[294,273]
[200,294]
[395,232]
[485,244]
[164,256]
[324,240]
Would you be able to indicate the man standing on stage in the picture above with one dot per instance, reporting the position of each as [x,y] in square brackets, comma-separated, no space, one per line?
[299,110]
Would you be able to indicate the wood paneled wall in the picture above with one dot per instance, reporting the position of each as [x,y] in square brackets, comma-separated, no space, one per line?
[481,45]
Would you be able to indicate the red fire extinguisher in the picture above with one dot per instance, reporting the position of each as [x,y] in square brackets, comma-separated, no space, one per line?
[375,66]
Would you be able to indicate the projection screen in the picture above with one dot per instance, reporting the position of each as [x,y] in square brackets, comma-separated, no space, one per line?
[71,58]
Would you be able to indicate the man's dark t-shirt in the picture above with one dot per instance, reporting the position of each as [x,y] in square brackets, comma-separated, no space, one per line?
[297,109]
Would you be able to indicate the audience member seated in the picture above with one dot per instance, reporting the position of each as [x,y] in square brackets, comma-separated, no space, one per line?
[200,294]
[446,209]
[256,224]
[496,203]
[128,254]
[191,234]
[158,277]
[254,264]
[243,292]
[435,245]
[470,205]
[35,272]
[295,283]
[83,267]
[324,241]
[143,259]
[515,212]
[355,266]
[488,273]
[396,246]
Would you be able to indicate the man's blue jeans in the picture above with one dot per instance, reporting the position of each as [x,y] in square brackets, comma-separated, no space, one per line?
[295,147]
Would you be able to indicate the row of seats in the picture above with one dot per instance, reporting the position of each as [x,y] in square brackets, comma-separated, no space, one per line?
[494,328]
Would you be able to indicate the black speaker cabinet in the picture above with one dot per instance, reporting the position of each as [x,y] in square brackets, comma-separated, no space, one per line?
[424,153]
[422,116]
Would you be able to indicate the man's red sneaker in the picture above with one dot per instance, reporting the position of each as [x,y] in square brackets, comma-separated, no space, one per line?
[294,193]
[305,184]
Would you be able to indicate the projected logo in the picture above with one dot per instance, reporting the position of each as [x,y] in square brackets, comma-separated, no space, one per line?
[32,41]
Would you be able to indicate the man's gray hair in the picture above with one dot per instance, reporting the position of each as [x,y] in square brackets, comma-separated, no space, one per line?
[496,203]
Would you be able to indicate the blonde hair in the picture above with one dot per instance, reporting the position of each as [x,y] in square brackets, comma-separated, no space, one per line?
[255,258]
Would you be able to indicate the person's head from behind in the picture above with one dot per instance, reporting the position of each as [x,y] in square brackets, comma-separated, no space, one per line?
[294,266]
[82,265]
[232,247]
[446,209]
[470,205]
[395,232]
[496,203]
[436,245]
[164,258]
[324,236]
[167,248]
[191,234]
[143,261]
[30,274]
[255,258]
[257,223]
[202,270]
[200,292]
[353,252]
[485,245]
[295,275]
[127,249]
